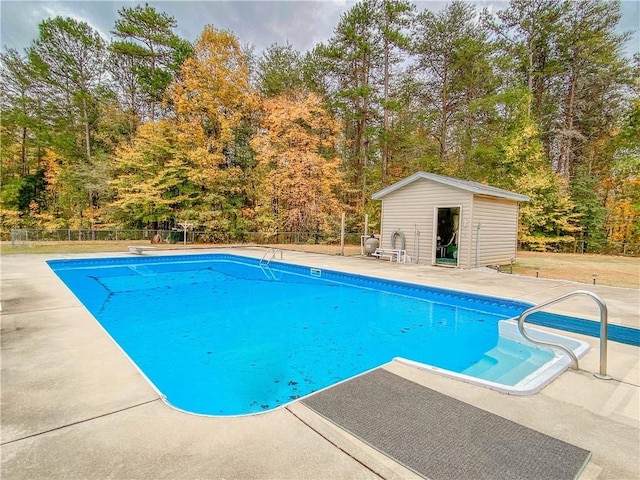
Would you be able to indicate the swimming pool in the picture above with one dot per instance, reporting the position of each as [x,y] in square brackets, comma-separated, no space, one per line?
[219,334]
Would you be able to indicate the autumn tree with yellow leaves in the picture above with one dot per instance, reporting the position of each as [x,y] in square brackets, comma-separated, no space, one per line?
[153,177]
[537,97]
[214,101]
[213,92]
[299,167]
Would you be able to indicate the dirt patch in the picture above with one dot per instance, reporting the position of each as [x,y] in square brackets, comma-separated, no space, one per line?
[604,269]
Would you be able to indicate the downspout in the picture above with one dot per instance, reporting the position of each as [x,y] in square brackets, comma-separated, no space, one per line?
[477,244]
[515,255]
[416,244]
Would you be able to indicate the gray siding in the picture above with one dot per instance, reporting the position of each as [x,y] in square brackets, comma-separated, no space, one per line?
[498,220]
[412,207]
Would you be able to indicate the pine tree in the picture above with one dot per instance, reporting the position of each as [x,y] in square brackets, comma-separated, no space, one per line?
[147,57]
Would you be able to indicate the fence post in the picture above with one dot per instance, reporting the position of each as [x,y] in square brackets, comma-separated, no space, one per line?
[342,234]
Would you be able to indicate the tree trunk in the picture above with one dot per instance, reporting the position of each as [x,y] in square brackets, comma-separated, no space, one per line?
[85,120]
[443,120]
[385,118]
[153,70]
[23,153]
[565,159]
[530,79]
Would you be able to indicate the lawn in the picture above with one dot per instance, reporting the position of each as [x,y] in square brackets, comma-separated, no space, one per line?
[585,268]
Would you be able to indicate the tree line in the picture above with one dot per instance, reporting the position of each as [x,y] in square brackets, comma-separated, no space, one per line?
[147,130]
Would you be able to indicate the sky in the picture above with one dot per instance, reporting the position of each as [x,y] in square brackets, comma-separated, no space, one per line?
[260,23]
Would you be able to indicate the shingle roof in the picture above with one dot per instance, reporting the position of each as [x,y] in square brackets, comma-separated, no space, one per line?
[473,187]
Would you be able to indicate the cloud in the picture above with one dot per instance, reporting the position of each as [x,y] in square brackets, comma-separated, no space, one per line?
[261,23]
[630,22]
[303,24]
[81,12]
[19,23]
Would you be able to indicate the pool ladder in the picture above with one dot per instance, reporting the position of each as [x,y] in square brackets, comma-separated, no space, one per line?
[603,330]
[265,262]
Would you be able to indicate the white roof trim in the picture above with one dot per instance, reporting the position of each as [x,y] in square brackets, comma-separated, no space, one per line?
[473,187]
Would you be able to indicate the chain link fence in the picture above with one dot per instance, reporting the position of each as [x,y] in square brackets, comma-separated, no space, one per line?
[626,249]
[30,236]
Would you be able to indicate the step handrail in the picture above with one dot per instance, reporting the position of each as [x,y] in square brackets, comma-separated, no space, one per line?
[271,251]
[265,266]
[603,329]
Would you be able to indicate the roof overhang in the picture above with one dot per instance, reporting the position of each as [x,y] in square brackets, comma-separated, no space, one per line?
[467,185]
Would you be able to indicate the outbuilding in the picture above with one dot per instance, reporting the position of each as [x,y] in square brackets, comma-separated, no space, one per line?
[442,220]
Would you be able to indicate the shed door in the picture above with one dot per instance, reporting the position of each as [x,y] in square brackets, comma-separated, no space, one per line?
[447,233]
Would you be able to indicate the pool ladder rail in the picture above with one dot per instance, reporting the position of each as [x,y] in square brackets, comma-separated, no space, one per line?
[603,329]
[265,262]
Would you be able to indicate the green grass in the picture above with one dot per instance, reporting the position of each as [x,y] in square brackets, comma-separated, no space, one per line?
[93,247]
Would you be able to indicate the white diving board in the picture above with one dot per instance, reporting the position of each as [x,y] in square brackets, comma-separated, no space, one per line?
[138,250]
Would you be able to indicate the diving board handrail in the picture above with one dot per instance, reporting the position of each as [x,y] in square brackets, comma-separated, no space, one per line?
[603,329]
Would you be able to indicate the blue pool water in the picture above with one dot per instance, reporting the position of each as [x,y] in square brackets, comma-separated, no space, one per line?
[217,334]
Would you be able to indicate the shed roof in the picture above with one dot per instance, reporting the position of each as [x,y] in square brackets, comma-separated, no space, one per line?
[473,187]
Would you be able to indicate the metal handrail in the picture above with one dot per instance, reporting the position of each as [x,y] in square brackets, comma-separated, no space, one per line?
[603,329]
[273,252]
[265,266]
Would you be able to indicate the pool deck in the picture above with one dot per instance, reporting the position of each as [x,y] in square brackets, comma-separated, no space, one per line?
[73,406]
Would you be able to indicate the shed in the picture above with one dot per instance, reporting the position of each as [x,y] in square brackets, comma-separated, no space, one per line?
[442,220]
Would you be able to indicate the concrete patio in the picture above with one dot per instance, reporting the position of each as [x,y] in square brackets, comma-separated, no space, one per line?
[73,405]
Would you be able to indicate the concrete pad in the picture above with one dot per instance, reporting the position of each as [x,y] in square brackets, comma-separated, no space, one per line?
[153,441]
[59,367]
[74,406]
